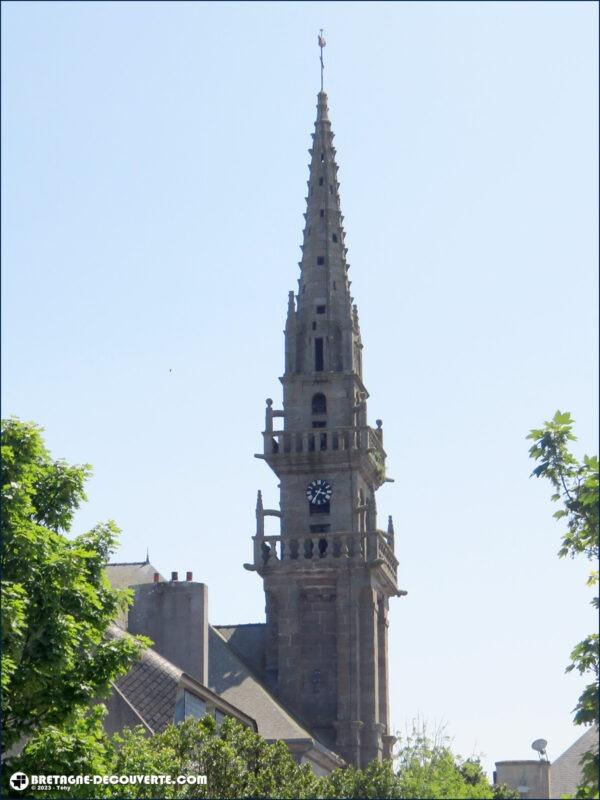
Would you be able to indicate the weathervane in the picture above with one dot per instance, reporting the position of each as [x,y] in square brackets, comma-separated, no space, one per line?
[322,44]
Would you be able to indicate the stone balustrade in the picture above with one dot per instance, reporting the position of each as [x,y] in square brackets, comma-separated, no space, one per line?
[385,553]
[323,547]
[318,440]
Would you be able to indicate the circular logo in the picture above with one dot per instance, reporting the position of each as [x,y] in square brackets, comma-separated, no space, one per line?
[19,781]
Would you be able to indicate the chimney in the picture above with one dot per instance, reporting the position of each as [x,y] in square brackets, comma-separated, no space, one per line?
[184,643]
[156,577]
[174,577]
[531,778]
[188,576]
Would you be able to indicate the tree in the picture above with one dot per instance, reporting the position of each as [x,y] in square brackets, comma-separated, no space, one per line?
[576,488]
[57,602]
[239,763]
[236,761]
[78,746]
[425,768]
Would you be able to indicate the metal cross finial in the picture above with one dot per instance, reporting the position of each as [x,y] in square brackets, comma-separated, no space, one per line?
[322,44]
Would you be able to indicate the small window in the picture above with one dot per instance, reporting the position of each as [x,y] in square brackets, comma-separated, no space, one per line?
[334,237]
[334,285]
[322,157]
[194,706]
[319,404]
[320,181]
[322,212]
[319,355]
[219,717]
[321,260]
[321,309]
[314,326]
[330,189]
[189,705]
[319,424]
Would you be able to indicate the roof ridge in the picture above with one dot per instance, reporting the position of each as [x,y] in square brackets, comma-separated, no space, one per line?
[241,625]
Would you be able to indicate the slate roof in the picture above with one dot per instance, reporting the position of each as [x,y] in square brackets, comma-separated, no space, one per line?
[249,642]
[150,686]
[565,772]
[130,574]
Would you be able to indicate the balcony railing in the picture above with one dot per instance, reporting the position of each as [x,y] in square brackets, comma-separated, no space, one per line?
[368,547]
[318,440]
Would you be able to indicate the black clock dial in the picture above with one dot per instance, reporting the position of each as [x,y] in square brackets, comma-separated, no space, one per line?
[318,492]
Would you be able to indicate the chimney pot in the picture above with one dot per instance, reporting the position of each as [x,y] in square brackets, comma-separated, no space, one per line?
[156,577]
[188,576]
[174,576]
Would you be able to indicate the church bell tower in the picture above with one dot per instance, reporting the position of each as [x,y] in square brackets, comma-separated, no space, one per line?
[329,573]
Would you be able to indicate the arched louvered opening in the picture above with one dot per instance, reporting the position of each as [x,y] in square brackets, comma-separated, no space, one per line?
[319,404]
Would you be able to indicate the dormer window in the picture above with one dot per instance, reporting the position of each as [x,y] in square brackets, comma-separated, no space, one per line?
[187,705]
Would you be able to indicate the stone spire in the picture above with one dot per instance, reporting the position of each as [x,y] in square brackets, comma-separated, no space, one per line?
[329,573]
[323,302]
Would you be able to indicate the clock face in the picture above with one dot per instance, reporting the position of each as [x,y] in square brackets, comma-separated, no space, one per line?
[319,492]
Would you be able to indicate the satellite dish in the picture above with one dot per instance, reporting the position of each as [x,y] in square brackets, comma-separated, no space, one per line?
[540,746]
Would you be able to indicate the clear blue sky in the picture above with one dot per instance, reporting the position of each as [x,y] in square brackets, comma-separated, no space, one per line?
[153,175]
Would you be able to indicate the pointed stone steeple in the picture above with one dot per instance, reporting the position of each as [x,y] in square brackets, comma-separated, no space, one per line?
[324,303]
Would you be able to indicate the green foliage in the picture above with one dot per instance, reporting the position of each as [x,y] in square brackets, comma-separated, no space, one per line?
[502,792]
[425,768]
[57,602]
[79,746]
[376,780]
[236,761]
[428,768]
[576,488]
[575,484]
[239,763]
[590,767]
